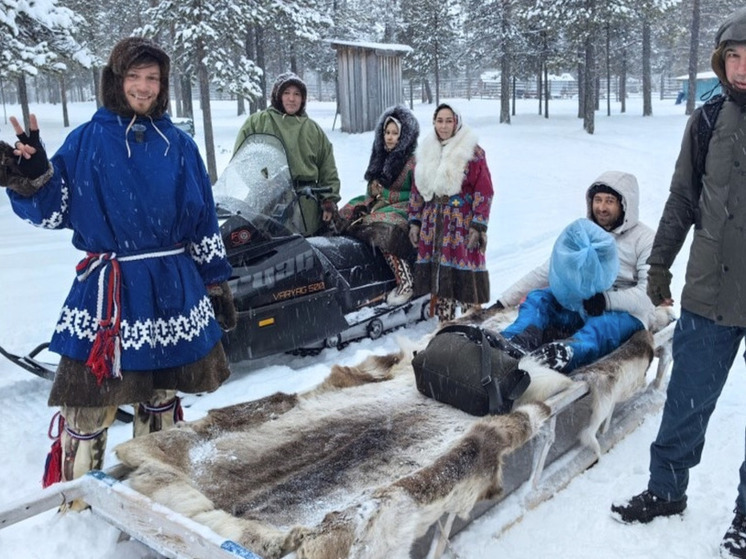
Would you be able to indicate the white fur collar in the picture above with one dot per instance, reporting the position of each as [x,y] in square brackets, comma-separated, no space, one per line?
[440,167]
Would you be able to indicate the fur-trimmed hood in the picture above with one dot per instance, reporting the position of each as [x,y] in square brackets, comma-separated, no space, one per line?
[733,30]
[281,84]
[125,54]
[440,166]
[625,185]
[386,166]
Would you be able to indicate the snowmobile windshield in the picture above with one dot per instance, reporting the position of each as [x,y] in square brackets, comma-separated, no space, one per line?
[257,182]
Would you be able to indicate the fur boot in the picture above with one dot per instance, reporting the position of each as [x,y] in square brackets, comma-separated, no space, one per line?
[445,309]
[161,412]
[470,308]
[83,444]
[404,280]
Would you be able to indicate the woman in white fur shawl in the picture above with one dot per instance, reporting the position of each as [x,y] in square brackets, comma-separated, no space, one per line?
[449,209]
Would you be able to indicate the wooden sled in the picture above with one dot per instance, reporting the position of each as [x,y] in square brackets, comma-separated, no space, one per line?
[528,474]
[552,459]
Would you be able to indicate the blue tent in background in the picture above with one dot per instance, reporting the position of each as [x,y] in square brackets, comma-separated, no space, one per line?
[706,81]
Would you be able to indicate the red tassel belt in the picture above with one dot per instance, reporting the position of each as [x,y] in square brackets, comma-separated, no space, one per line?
[104,359]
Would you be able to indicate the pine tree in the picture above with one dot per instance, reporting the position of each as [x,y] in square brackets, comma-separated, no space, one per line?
[37,37]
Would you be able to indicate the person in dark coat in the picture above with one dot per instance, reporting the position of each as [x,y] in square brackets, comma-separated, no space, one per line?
[712,325]
[145,315]
[379,216]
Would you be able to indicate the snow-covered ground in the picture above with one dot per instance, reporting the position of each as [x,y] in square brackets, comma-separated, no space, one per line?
[541,168]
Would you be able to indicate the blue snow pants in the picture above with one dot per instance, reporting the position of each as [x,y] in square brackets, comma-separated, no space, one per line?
[590,338]
[703,353]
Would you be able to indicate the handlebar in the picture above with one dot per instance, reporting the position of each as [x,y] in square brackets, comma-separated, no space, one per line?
[312,191]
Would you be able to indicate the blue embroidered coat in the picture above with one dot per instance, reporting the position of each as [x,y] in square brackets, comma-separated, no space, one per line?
[142,194]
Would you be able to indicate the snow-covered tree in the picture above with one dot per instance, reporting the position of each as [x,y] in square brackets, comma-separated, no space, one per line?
[106,22]
[297,34]
[491,36]
[205,38]
[431,29]
[37,36]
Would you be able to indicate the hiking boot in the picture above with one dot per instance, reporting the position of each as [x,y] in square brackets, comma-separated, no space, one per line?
[645,507]
[555,355]
[734,540]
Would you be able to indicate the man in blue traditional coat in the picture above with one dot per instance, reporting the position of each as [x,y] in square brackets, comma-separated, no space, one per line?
[146,312]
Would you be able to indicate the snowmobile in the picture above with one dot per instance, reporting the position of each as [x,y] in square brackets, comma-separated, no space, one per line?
[294,293]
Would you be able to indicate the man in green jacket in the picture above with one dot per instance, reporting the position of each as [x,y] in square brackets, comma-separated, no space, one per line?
[309,151]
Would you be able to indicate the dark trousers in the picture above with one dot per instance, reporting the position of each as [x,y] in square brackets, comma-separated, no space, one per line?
[703,353]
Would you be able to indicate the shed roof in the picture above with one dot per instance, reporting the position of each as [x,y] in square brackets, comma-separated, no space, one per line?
[388,48]
[700,76]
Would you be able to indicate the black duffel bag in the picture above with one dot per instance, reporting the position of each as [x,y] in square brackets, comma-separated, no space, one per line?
[470,368]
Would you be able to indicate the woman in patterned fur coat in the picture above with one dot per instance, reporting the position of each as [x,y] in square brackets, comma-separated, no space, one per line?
[143,317]
[380,215]
[449,209]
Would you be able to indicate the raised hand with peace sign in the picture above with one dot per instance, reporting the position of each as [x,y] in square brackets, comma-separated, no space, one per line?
[32,158]
[25,167]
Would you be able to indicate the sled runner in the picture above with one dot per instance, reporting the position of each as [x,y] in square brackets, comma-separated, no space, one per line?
[363,465]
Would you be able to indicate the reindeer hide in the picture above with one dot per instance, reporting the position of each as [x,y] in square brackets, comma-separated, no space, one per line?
[358,467]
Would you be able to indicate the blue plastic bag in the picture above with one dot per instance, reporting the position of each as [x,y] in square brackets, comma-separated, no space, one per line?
[584,262]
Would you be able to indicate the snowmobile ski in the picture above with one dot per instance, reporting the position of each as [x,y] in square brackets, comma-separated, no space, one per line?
[31,363]
[46,370]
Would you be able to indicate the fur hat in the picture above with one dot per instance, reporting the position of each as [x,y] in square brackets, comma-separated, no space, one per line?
[281,84]
[731,32]
[129,52]
[385,166]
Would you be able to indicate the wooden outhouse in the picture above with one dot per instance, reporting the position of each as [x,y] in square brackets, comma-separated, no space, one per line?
[369,80]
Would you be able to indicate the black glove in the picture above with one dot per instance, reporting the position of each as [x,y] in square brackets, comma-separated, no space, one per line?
[659,284]
[595,305]
[221,298]
[11,177]
[37,164]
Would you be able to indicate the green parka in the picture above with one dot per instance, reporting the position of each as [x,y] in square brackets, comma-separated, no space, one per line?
[309,151]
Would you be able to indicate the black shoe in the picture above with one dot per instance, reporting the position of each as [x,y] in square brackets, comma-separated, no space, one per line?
[555,355]
[734,540]
[645,507]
